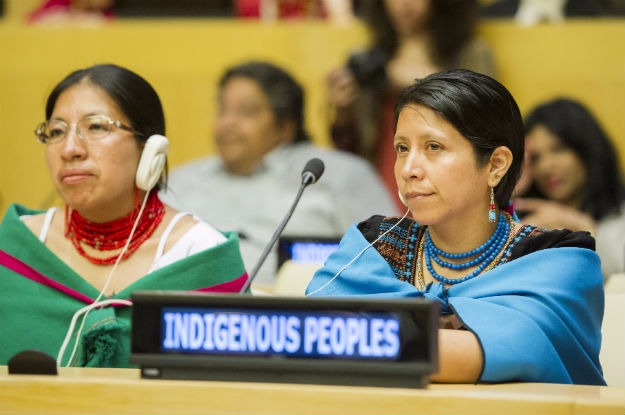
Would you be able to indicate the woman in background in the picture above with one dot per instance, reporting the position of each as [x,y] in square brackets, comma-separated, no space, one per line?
[410,39]
[575,178]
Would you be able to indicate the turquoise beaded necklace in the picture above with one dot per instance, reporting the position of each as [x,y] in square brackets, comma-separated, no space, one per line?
[486,253]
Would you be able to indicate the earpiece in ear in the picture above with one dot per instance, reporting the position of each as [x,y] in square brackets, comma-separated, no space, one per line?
[401,197]
[152,162]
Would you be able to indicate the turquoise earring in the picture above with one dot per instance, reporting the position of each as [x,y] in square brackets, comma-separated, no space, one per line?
[491,206]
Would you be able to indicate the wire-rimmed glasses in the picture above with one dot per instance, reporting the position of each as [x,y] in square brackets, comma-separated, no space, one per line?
[89,128]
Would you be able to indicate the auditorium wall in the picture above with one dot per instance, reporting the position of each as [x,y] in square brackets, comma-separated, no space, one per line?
[184,58]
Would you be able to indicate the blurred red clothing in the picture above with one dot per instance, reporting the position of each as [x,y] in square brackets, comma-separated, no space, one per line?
[52,7]
[286,9]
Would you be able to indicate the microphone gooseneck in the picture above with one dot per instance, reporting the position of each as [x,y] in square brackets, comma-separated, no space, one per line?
[310,174]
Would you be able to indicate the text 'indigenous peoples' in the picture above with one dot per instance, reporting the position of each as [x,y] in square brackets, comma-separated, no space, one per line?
[262,332]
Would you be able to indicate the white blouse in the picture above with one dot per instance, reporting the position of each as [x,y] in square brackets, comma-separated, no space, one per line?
[200,237]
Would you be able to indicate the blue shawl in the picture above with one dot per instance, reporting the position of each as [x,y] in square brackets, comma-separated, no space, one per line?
[537,318]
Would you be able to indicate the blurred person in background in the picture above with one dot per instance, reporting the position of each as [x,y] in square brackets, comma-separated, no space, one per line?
[410,39]
[67,11]
[279,9]
[540,10]
[339,11]
[575,179]
[262,147]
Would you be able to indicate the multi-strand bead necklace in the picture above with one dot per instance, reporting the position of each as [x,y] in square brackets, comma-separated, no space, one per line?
[485,256]
[110,236]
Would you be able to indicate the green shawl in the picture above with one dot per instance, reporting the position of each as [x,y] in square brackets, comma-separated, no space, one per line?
[37,316]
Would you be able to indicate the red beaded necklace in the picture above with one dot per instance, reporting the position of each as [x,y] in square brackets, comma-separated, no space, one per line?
[113,235]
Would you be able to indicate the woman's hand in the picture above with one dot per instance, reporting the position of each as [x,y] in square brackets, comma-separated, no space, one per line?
[553,215]
[343,91]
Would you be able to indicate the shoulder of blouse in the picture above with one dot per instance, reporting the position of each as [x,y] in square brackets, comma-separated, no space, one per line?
[531,239]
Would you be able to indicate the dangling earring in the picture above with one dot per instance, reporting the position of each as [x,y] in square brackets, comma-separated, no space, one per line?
[491,206]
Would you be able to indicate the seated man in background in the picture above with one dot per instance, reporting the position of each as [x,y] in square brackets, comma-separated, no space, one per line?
[262,145]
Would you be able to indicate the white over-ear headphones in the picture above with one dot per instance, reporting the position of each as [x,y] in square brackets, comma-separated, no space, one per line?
[152,162]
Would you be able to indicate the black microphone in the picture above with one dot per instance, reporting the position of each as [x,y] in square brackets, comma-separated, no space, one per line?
[32,362]
[311,173]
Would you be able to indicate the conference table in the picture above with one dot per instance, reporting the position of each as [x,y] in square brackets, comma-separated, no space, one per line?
[123,391]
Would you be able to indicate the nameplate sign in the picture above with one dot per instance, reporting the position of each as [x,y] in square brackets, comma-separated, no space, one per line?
[179,335]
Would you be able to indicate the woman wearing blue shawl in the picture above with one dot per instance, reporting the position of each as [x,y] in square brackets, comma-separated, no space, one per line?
[519,303]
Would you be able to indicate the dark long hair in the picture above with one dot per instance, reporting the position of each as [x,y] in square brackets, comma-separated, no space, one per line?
[134,96]
[285,95]
[481,109]
[452,24]
[578,129]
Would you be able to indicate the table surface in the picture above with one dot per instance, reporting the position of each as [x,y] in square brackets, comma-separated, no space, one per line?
[122,391]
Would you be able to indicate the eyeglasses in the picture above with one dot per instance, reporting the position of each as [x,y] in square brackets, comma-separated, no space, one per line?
[90,128]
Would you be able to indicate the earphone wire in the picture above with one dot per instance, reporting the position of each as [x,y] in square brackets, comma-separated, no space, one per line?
[97,302]
[344,267]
